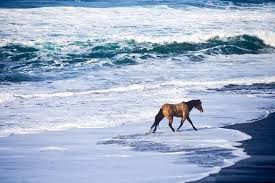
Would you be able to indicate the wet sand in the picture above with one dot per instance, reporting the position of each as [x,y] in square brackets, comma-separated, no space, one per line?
[125,155]
[260,167]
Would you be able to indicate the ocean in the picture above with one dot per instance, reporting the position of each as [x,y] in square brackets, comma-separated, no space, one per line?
[68,64]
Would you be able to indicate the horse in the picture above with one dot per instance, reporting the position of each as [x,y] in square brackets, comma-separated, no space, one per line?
[181,110]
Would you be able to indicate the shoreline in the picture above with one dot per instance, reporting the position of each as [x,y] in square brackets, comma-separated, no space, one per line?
[260,166]
[32,157]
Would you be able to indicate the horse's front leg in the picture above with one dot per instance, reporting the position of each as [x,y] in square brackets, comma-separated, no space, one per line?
[181,123]
[188,118]
[170,123]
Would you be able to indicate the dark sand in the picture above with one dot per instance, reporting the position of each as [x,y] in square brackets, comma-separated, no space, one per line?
[260,167]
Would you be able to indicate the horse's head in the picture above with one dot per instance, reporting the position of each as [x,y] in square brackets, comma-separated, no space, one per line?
[198,105]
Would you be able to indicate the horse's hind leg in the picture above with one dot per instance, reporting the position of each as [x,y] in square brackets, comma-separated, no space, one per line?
[181,123]
[191,123]
[170,123]
[158,118]
[155,125]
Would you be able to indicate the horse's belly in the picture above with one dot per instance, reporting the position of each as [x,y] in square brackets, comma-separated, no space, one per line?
[178,115]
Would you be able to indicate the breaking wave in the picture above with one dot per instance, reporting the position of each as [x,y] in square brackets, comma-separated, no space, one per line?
[18,61]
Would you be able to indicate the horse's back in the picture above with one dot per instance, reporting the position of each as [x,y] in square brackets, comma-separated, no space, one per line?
[177,110]
[167,109]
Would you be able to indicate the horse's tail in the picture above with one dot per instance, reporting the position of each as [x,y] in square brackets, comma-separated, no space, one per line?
[158,118]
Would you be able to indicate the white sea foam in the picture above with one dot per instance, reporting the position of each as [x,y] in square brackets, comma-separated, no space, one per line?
[4,97]
[130,96]
[152,24]
[52,148]
[205,156]
[117,155]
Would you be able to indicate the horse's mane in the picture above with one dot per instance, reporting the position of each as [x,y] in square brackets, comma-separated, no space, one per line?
[193,103]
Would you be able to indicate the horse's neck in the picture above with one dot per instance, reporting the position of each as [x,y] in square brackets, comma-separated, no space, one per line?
[190,106]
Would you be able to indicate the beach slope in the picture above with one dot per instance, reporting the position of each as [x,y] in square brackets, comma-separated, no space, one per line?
[260,167]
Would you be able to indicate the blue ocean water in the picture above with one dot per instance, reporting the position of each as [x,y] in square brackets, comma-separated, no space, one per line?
[101,64]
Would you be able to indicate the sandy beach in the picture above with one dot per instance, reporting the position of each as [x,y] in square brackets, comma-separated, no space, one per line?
[260,167]
[124,154]
[81,83]
[100,155]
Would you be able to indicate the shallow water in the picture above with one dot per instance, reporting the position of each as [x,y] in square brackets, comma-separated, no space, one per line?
[102,64]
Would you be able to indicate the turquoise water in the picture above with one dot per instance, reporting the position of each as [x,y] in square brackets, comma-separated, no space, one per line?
[103,64]
[16,59]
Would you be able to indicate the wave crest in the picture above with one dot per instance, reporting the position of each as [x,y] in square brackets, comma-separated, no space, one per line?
[17,59]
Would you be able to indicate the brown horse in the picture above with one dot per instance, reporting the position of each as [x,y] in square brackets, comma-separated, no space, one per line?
[181,110]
